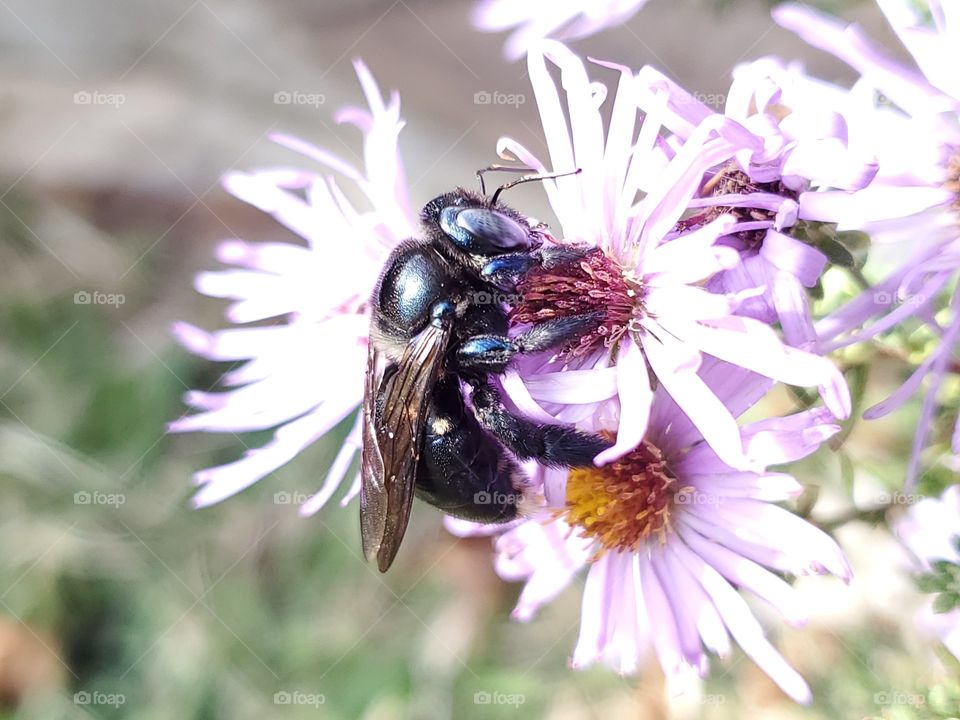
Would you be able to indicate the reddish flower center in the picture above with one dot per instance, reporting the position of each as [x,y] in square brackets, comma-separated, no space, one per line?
[595,283]
[626,502]
[953,178]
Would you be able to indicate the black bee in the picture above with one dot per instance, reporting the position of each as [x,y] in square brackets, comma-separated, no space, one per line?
[436,327]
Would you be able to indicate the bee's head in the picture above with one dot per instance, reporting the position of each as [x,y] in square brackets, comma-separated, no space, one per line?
[477,227]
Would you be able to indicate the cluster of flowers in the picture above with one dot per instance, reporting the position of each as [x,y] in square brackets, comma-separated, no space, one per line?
[703,229]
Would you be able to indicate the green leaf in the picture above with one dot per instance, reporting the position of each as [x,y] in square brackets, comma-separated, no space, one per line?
[854,240]
[942,567]
[929,584]
[946,601]
[846,470]
[836,253]
[817,292]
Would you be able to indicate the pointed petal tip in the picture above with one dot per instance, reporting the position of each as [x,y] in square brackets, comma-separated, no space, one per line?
[281,138]
[231,177]
[522,614]
[610,455]
[175,426]
[308,510]
[360,66]
[231,251]
[200,500]
[190,336]
[803,695]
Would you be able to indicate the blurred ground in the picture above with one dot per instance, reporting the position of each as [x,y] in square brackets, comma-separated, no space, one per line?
[116,599]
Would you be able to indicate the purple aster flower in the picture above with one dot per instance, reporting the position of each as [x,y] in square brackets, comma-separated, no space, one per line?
[289,380]
[644,276]
[802,147]
[930,530]
[911,121]
[539,19]
[669,531]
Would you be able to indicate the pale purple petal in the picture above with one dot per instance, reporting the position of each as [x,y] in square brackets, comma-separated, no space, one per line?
[547,554]
[745,573]
[633,388]
[676,368]
[743,626]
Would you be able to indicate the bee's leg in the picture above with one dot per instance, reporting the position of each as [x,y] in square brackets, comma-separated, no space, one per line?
[505,271]
[492,353]
[463,470]
[555,445]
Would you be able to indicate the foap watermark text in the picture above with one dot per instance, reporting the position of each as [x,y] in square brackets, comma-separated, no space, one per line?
[299,697]
[485,697]
[485,97]
[95,297]
[96,97]
[297,97]
[85,497]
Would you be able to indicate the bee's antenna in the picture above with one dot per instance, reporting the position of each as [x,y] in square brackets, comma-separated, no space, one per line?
[531,178]
[497,168]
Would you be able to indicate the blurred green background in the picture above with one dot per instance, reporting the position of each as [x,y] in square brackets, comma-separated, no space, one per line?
[117,600]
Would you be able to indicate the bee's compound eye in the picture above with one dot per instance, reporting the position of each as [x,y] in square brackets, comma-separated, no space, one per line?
[487,231]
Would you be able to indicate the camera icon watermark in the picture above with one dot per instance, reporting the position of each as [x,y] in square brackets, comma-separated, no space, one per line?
[95,297]
[286,497]
[485,697]
[85,497]
[84,697]
[297,97]
[96,97]
[486,97]
[298,697]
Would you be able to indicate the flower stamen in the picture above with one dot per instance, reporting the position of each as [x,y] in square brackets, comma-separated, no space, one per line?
[731,180]
[625,503]
[952,183]
[595,283]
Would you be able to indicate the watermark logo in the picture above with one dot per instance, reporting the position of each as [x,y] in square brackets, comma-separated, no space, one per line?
[298,697]
[496,498]
[285,497]
[717,101]
[484,697]
[297,97]
[84,697]
[485,97]
[899,697]
[95,297]
[898,498]
[482,297]
[689,496]
[95,97]
[883,297]
[714,699]
[84,497]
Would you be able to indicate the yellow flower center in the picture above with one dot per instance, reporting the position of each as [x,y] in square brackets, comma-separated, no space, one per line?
[623,504]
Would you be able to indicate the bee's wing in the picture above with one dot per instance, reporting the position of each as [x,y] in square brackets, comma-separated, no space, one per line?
[394,411]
